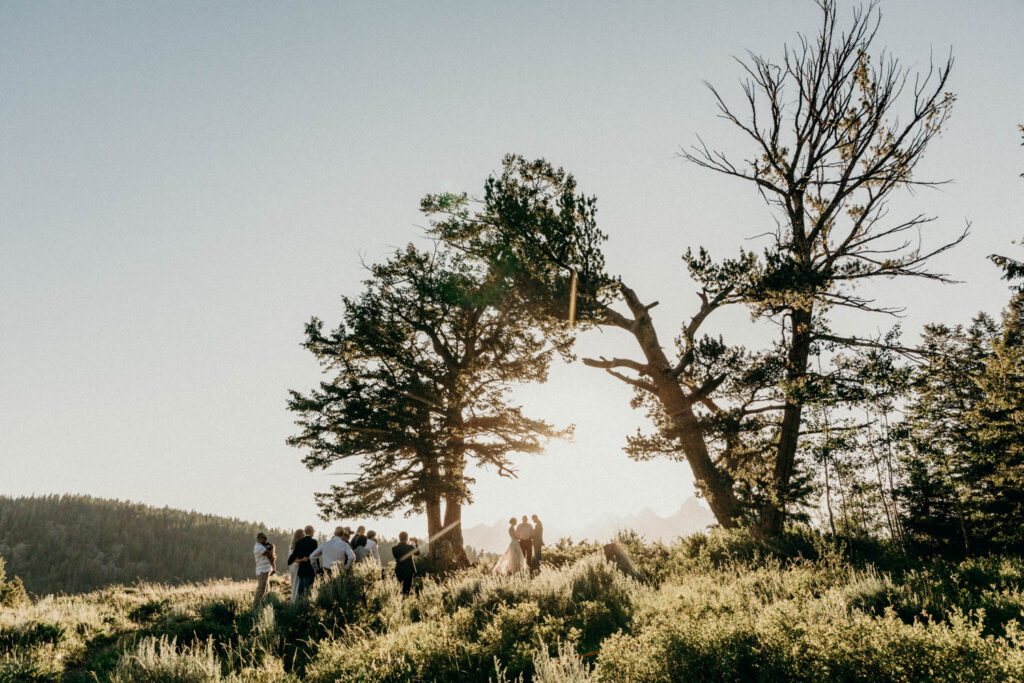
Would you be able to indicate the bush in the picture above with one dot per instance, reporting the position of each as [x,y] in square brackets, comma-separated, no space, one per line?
[30,634]
[160,660]
[804,639]
[566,553]
[715,607]
[456,630]
[12,592]
[565,667]
[21,664]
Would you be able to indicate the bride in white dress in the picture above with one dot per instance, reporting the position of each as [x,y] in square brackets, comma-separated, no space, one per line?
[513,560]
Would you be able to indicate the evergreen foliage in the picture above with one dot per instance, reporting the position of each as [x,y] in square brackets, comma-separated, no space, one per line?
[71,544]
[12,592]
[937,465]
[965,484]
[420,370]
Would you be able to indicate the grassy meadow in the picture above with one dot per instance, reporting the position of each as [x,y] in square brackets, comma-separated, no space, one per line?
[711,608]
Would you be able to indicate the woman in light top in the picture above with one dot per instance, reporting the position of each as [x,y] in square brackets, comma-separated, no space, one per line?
[293,568]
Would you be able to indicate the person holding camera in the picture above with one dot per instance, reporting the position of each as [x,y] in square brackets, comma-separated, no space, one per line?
[405,565]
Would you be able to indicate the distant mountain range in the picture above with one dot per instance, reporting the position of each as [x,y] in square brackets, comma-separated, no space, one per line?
[692,516]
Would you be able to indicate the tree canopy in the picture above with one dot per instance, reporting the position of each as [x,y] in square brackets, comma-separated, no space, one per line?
[833,135]
[420,370]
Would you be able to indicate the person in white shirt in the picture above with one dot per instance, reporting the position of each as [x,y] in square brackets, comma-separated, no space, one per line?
[334,551]
[370,552]
[262,552]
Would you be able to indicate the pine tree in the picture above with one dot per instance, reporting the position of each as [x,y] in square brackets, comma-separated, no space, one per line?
[12,592]
[996,425]
[940,495]
[420,370]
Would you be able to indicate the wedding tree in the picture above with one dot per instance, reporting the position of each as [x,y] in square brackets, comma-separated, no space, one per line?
[833,135]
[419,376]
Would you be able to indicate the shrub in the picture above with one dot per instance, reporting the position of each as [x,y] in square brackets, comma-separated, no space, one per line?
[160,660]
[800,642]
[455,630]
[425,651]
[565,667]
[12,592]
[30,634]
[23,664]
[509,634]
[715,607]
[566,553]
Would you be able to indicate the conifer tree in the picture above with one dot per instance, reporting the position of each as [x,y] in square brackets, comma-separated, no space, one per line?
[419,374]
[996,424]
[12,592]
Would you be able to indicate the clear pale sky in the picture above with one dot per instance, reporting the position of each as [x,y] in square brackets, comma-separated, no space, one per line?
[183,185]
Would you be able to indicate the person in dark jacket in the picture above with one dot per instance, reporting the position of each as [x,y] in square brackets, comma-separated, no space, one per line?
[405,565]
[304,547]
[538,541]
[358,538]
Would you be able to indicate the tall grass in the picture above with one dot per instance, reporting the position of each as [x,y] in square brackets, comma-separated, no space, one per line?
[715,608]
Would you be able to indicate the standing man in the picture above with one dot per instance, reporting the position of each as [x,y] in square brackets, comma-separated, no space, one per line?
[538,540]
[262,552]
[335,553]
[524,532]
[405,565]
[304,547]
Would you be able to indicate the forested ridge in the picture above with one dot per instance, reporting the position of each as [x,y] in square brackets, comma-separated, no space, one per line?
[71,544]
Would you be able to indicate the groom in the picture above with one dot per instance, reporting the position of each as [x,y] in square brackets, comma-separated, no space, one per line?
[524,532]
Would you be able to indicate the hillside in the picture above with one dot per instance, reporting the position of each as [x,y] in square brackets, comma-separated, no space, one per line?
[715,607]
[71,544]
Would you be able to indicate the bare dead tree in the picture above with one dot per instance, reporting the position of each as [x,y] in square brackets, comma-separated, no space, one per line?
[834,135]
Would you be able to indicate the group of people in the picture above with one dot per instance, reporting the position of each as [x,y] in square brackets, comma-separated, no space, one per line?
[309,559]
[525,548]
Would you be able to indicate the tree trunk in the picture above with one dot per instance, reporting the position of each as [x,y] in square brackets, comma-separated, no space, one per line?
[453,529]
[434,524]
[716,486]
[712,482]
[774,513]
[892,485]
[433,487]
[881,482]
[828,501]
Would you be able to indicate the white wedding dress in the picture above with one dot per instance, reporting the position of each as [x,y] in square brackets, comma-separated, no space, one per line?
[513,560]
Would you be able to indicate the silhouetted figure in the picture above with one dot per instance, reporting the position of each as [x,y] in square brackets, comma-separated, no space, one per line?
[513,560]
[524,532]
[304,547]
[405,565]
[538,541]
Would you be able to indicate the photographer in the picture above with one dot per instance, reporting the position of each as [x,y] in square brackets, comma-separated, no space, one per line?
[405,564]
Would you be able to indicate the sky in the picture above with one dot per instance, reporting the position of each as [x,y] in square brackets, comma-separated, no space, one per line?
[185,184]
